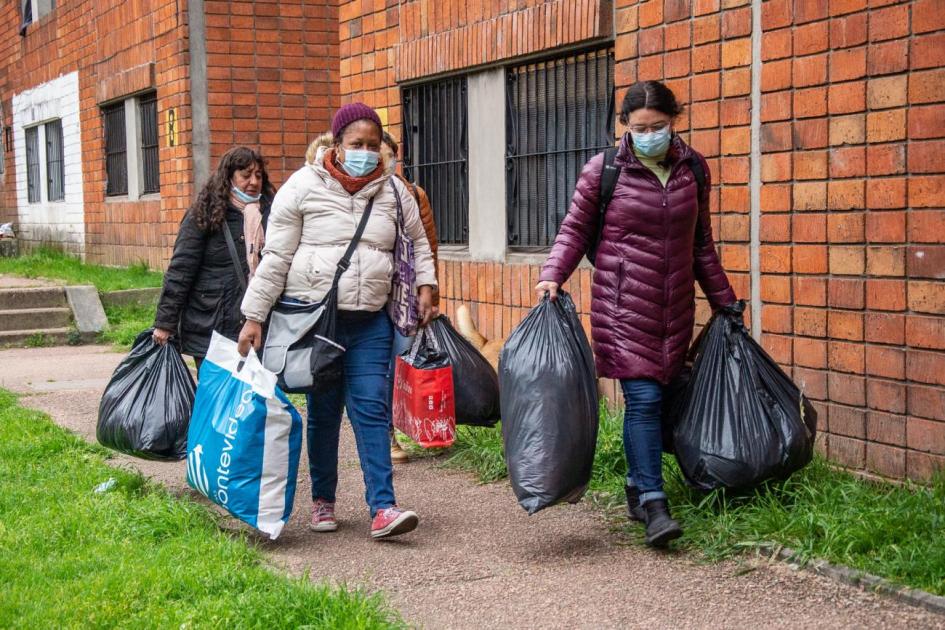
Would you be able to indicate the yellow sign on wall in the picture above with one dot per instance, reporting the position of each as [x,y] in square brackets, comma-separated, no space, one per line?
[172,127]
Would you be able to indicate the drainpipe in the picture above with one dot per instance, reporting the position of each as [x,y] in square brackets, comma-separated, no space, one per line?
[755,174]
[200,117]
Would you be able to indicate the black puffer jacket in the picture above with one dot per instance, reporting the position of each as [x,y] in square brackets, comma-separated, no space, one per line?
[201,293]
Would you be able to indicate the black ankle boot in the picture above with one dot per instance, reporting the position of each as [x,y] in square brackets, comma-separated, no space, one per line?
[660,526]
[634,510]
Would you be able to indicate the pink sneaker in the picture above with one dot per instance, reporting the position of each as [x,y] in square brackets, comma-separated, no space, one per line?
[393,522]
[323,516]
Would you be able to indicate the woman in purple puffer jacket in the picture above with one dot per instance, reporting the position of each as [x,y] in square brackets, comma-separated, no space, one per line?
[656,242]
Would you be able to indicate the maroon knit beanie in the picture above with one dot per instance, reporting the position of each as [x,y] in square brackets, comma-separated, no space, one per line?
[350,113]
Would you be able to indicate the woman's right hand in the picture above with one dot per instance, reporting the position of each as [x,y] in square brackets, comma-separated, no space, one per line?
[549,287]
[250,335]
[160,336]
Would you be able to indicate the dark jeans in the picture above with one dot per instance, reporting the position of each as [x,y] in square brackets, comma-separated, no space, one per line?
[363,392]
[642,436]
[401,344]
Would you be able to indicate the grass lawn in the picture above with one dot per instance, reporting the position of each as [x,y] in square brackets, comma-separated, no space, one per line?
[896,532]
[134,556]
[55,264]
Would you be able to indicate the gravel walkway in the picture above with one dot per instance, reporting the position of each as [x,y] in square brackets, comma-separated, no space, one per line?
[478,560]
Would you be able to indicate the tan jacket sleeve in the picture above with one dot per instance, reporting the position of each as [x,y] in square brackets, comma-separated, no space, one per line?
[413,224]
[283,233]
[426,215]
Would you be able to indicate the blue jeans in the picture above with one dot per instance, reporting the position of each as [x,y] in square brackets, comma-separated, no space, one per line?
[401,344]
[643,437]
[363,391]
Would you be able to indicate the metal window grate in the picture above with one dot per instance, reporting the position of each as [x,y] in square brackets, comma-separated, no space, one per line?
[55,173]
[435,152]
[560,114]
[32,165]
[116,163]
[147,114]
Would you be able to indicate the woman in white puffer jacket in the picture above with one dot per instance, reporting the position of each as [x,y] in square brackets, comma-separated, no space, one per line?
[313,219]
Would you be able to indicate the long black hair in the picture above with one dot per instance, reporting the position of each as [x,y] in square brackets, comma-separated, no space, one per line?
[209,209]
[649,95]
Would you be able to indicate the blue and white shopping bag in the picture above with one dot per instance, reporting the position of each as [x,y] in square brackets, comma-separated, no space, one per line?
[245,439]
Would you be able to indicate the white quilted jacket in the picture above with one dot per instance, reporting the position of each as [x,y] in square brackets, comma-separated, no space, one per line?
[312,221]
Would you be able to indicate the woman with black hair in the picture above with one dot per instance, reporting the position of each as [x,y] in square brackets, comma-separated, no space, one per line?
[656,241]
[204,285]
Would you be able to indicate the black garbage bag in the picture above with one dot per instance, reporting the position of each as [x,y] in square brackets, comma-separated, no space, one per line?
[475,383]
[145,410]
[549,406]
[743,420]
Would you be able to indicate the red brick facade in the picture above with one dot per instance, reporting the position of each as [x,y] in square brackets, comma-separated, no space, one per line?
[272,83]
[851,248]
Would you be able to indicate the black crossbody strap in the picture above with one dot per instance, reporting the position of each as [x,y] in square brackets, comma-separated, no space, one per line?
[234,256]
[695,165]
[345,261]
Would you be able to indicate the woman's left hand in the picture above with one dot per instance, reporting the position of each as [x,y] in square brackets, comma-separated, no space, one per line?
[425,304]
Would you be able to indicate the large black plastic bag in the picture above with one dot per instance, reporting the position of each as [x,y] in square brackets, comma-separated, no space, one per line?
[549,406]
[475,383]
[145,410]
[742,420]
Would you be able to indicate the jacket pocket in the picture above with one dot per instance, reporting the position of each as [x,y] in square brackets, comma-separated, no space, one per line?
[203,311]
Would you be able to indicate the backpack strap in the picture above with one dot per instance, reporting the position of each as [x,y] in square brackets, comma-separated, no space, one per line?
[609,175]
[698,172]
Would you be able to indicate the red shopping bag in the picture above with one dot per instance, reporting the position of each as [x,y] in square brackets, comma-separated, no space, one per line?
[424,405]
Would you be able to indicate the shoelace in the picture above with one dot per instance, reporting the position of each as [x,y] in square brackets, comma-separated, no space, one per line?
[324,510]
[391,512]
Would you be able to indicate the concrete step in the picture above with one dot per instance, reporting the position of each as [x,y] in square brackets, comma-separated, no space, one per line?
[38,337]
[33,297]
[35,318]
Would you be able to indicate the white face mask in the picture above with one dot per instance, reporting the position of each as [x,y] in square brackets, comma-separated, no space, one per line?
[653,143]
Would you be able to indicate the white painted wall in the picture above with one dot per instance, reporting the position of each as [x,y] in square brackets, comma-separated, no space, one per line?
[60,222]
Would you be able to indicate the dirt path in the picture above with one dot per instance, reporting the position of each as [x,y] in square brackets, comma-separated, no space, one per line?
[478,561]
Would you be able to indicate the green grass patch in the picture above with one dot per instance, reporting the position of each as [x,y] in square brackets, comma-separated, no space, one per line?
[126,322]
[54,264]
[134,556]
[821,512]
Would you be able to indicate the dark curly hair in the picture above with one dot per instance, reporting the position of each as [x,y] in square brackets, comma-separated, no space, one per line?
[209,210]
[649,95]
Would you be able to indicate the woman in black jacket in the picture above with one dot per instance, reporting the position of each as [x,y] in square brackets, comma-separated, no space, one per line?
[203,286]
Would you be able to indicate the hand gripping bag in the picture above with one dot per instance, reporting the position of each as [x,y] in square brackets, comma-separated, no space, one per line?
[549,406]
[424,407]
[742,420]
[146,406]
[245,439]
[475,383]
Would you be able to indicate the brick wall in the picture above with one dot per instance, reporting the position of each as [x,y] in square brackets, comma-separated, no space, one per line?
[108,43]
[852,226]
[272,71]
[272,83]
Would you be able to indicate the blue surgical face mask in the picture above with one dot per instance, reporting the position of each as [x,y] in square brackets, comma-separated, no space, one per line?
[653,143]
[360,162]
[242,196]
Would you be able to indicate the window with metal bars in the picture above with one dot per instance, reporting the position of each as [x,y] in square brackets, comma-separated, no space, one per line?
[560,114]
[33,193]
[55,172]
[147,116]
[435,152]
[116,154]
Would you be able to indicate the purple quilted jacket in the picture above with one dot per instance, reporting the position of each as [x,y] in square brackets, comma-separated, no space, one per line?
[643,296]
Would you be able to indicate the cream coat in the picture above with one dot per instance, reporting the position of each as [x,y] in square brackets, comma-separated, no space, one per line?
[312,221]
